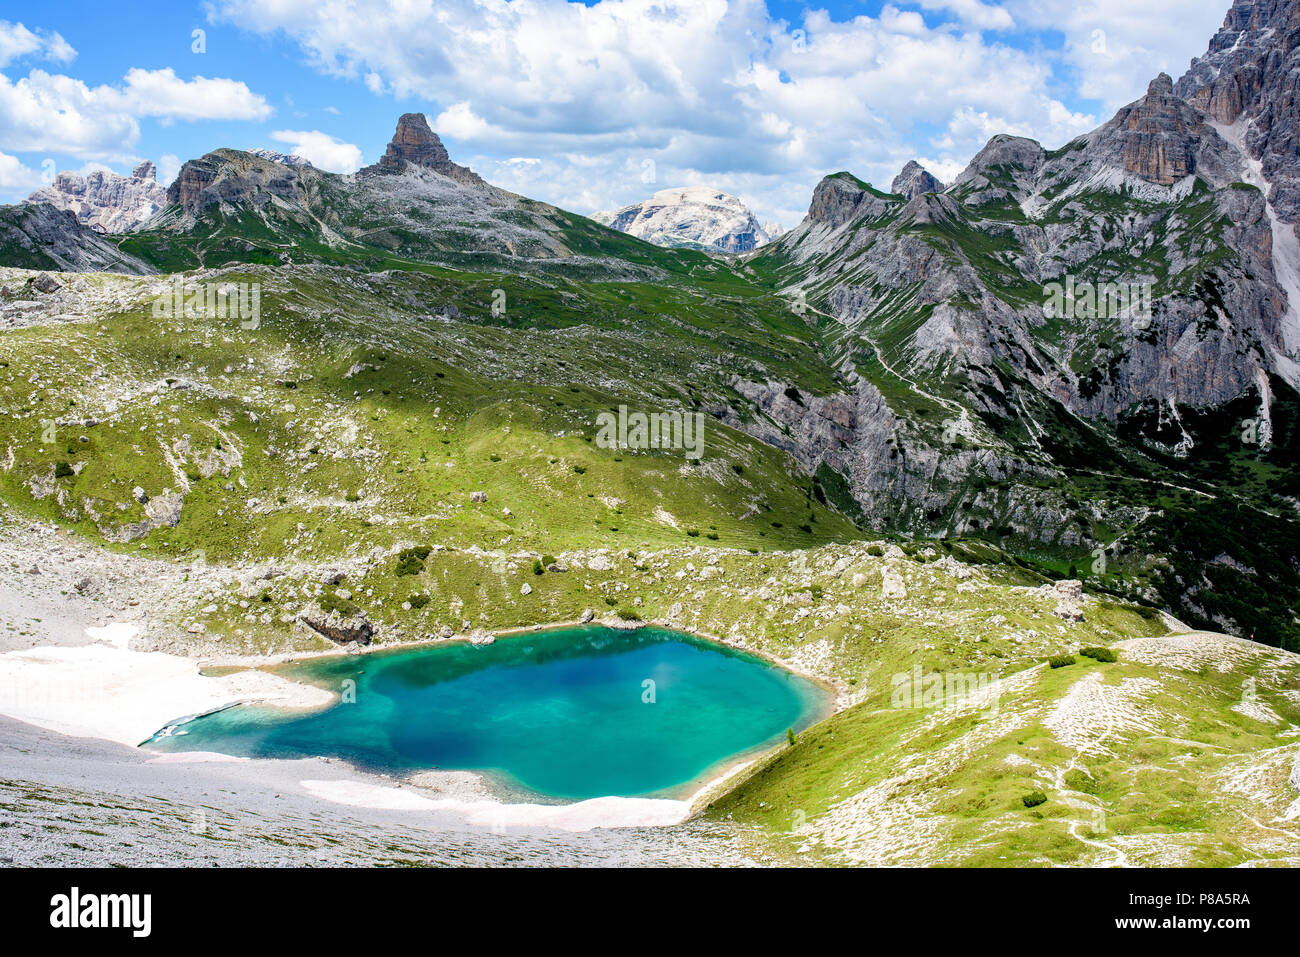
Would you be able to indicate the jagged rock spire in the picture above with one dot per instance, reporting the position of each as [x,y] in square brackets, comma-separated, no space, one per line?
[415,144]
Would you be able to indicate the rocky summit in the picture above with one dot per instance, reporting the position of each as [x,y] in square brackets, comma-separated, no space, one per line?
[915,180]
[415,144]
[690,216]
[106,199]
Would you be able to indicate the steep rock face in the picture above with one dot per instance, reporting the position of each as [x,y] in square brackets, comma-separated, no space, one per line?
[1162,139]
[936,311]
[690,216]
[106,199]
[1250,76]
[41,236]
[415,144]
[842,198]
[233,178]
[915,180]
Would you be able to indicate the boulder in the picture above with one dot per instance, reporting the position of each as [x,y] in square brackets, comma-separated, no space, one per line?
[1070,588]
[892,585]
[353,630]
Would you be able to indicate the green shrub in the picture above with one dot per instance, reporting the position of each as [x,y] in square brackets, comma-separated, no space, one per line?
[410,561]
[629,614]
[1034,798]
[418,601]
[62,470]
[693,532]
[548,560]
[331,602]
[537,566]
[580,469]
[1060,661]
[352,497]
[789,737]
[1100,654]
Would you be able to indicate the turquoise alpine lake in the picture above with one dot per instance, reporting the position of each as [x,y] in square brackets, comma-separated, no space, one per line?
[566,713]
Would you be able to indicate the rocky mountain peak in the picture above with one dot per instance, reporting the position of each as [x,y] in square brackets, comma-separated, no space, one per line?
[915,180]
[841,198]
[693,216]
[1162,138]
[1004,169]
[1162,85]
[416,144]
[284,159]
[234,178]
[1247,80]
[105,199]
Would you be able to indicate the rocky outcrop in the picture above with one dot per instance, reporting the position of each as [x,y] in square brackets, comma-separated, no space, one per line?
[1250,76]
[1005,169]
[915,180]
[843,198]
[41,236]
[340,629]
[106,199]
[284,159]
[1162,138]
[233,179]
[691,216]
[415,144]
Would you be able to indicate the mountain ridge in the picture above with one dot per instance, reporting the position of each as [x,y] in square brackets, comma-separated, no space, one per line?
[916,372]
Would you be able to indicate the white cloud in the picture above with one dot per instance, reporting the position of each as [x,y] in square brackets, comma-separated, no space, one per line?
[718,92]
[1115,47]
[16,41]
[162,93]
[17,178]
[324,151]
[169,164]
[53,113]
[45,112]
[982,16]
[708,91]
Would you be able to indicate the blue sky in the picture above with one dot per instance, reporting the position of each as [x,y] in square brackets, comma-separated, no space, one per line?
[587,106]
